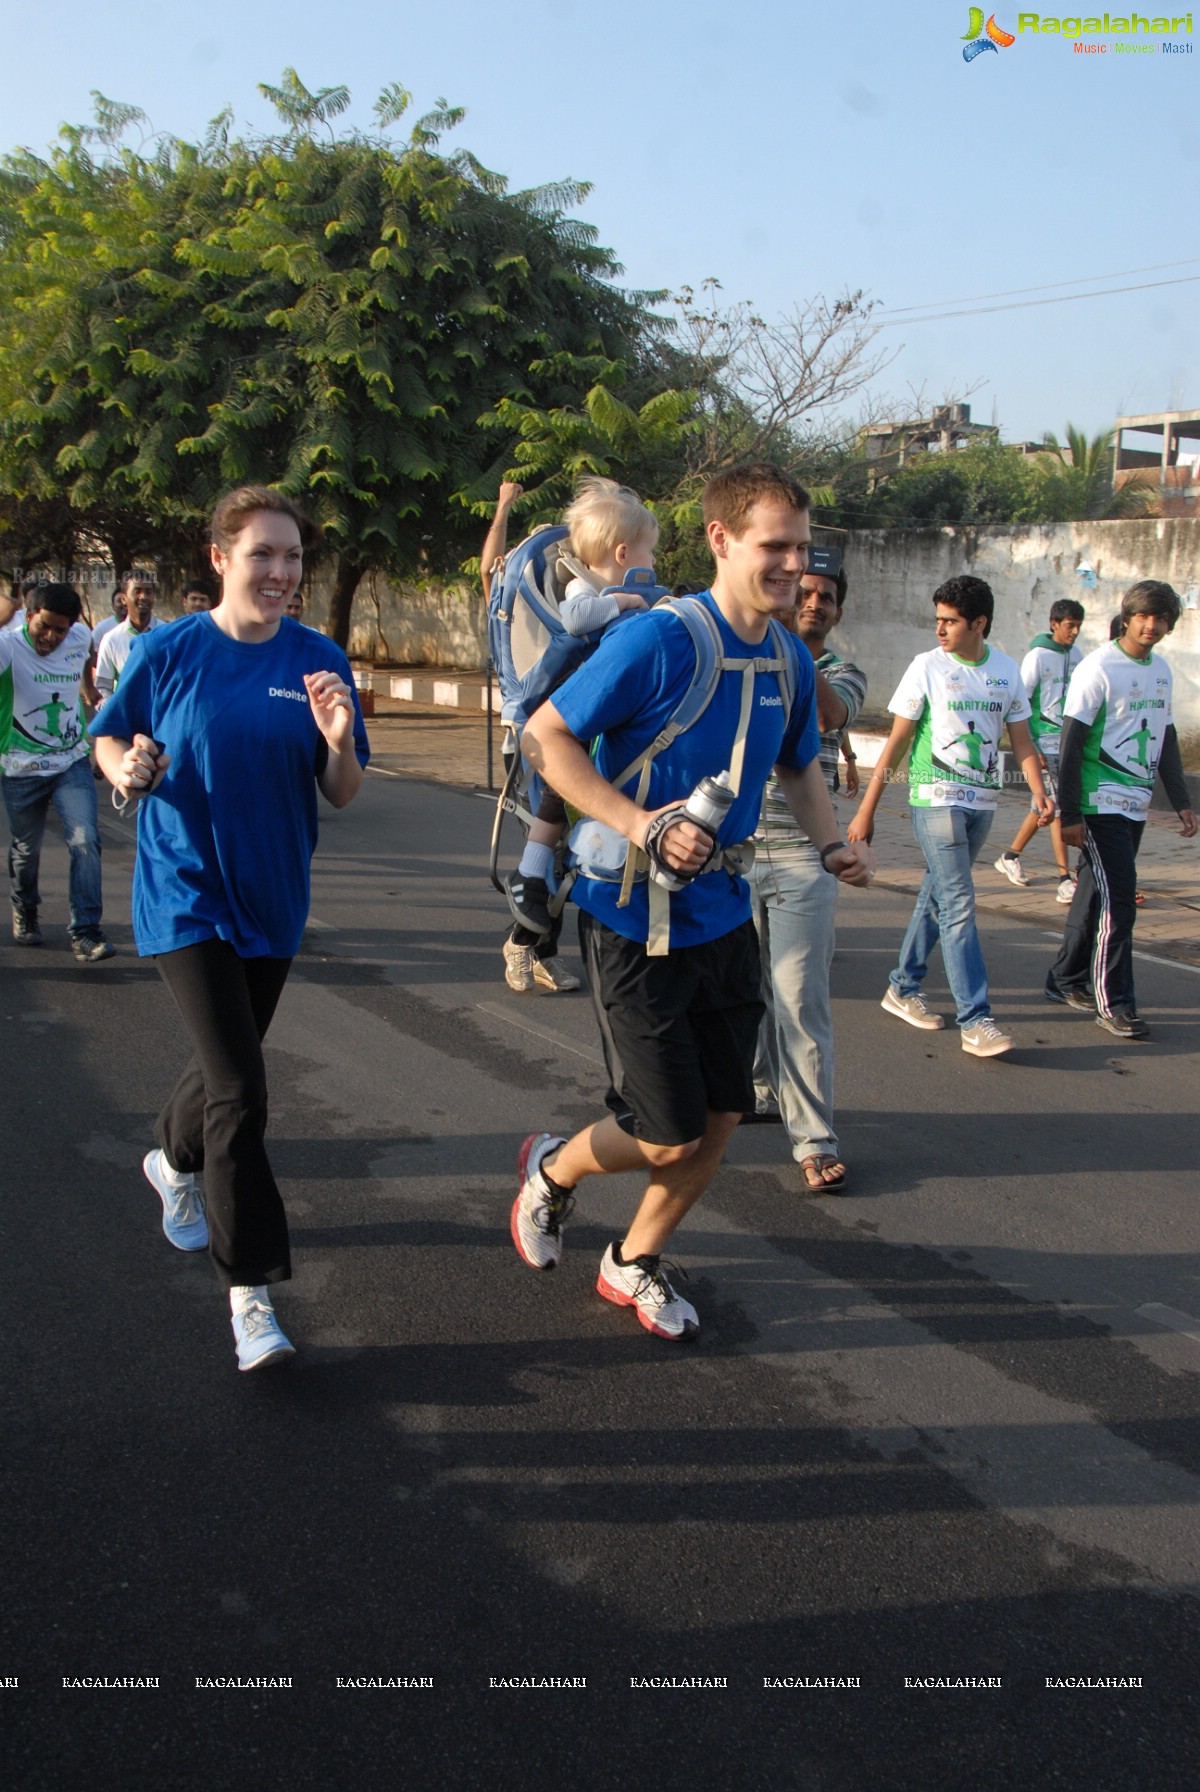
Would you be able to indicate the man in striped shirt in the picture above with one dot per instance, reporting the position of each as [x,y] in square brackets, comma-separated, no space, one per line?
[795,904]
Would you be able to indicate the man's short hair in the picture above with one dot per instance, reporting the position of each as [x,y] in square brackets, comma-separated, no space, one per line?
[729,497]
[971,597]
[199,585]
[62,599]
[1067,609]
[601,516]
[1152,597]
[135,576]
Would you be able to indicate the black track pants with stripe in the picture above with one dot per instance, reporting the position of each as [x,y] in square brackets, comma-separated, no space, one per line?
[1098,937]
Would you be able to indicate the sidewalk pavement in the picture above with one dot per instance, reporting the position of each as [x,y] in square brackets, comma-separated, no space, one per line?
[447,744]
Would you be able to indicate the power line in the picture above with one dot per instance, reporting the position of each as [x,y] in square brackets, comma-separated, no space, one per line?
[1015,292]
[1024,304]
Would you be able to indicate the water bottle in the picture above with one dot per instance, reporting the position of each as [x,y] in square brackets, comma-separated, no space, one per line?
[707,806]
[710,803]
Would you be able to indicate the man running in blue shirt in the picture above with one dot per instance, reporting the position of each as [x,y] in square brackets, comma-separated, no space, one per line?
[678,1001]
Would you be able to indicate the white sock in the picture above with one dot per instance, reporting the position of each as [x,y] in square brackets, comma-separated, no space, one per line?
[241,1298]
[538,861]
[176,1178]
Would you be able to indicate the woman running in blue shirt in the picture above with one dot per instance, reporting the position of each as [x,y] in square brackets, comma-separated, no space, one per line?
[227,724]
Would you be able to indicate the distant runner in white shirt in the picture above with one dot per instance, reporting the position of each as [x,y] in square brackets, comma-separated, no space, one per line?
[45,680]
[1046,672]
[107,623]
[115,648]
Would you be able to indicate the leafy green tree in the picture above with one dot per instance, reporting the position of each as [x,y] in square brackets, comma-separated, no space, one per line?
[330,314]
[984,483]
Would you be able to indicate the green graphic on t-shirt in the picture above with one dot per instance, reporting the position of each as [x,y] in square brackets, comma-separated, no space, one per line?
[1142,742]
[53,712]
[974,744]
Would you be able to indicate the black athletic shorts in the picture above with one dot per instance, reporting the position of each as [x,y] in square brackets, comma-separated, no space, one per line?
[678,1032]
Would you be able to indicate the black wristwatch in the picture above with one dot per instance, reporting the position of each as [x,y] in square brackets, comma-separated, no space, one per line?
[824,852]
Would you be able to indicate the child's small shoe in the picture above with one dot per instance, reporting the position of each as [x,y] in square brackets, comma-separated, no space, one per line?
[529,900]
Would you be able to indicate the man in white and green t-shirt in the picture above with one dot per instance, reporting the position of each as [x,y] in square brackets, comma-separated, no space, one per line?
[45,671]
[1046,672]
[952,707]
[1117,735]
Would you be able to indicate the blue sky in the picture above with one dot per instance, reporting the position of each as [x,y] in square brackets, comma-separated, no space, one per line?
[786,150]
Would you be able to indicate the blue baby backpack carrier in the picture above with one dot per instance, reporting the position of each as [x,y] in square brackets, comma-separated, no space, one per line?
[533,653]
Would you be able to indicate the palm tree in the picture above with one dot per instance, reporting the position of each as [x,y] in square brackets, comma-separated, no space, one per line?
[1075,481]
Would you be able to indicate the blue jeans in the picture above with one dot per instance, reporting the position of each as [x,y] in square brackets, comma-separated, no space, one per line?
[73,794]
[795,908]
[951,840]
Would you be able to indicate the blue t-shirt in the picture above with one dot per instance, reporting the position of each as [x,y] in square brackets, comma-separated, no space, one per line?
[224,843]
[623,696]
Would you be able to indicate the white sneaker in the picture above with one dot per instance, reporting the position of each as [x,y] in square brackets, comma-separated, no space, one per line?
[1009,866]
[912,1009]
[1066,890]
[519,963]
[537,1216]
[183,1204]
[643,1284]
[257,1335]
[984,1039]
[550,974]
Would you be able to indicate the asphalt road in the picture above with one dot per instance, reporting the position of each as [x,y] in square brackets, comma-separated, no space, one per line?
[944,1427]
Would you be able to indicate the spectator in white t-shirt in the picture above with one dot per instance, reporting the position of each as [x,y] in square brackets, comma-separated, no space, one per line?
[115,648]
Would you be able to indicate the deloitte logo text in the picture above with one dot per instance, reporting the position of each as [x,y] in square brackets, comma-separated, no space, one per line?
[980,37]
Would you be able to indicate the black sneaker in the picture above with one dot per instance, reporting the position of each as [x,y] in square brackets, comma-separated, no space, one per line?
[1069,996]
[1123,1023]
[26,931]
[529,900]
[90,946]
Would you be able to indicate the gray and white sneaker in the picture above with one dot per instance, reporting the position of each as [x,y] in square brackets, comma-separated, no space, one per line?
[549,974]
[984,1039]
[256,1332]
[643,1284]
[183,1204]
[537,1215]
[1009,866]
[912,1009]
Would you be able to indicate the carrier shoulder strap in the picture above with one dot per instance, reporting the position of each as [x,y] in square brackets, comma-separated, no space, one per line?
[711,664]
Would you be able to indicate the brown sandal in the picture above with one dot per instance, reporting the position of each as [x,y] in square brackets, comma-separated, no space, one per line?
[817,1179]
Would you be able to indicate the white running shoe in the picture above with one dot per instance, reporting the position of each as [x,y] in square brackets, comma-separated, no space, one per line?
[643,1284]
[183,1204]
[537,1215]
[550,974]
[984,1039]
[519,963]
[257,1335]
[913,1009]
[1066,890]
[1009,866]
